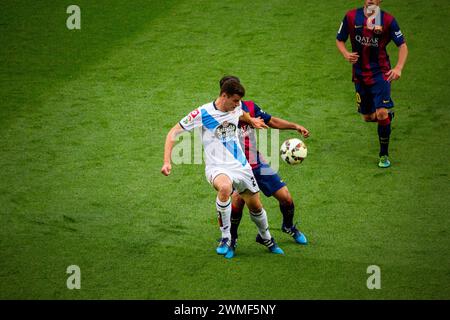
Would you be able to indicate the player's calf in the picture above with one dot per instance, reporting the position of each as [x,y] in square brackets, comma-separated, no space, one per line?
[236,216]
[286,205]
[224,188]
[384,133]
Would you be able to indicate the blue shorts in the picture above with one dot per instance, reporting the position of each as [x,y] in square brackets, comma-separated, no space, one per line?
[268,180]
[371,98]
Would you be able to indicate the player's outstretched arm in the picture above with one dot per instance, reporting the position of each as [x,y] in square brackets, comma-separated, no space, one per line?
[351,57]
[170,141]
[396,73]
[256,123]
[278,123]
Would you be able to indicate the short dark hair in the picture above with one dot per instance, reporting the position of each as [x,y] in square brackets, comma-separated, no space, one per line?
[226,78]
[231,87]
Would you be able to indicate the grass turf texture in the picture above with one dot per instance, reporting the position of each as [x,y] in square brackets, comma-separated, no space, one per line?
[84,116]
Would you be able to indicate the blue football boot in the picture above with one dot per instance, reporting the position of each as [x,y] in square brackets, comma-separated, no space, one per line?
[384,162]
[223,246]
[299,237]
[232,249]
[270,244]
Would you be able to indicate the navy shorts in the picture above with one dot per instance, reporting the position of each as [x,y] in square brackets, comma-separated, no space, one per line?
[370,98]
[268,180]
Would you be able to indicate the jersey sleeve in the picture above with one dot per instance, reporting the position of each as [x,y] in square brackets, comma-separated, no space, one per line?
[342,34]
[396,34]
[192,120]
[261,113]
[240,110]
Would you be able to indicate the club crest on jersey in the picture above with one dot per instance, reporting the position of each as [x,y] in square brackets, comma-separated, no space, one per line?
[193,114]
[226,131]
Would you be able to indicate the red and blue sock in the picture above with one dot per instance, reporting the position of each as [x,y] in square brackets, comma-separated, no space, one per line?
[384,133]
[236,216]
[288,214]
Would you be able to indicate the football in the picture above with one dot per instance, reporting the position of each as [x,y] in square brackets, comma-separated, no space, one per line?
[293,151]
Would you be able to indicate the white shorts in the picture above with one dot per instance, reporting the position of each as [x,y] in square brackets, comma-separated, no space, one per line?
[242,178]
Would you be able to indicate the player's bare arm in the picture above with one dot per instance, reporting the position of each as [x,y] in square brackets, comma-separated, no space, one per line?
[278,123]
[168,147]
[396,73]
[351,57]
[256,123]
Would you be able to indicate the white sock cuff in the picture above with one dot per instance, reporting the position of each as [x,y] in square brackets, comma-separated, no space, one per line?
[257,214]
[223,204]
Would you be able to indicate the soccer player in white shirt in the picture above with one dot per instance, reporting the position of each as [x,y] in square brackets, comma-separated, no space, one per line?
[226,169]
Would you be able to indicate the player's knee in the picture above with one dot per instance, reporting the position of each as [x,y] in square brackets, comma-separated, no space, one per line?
[369,117]
[284,197]
[286,201]
[382,114]
[224,191]
[254,206]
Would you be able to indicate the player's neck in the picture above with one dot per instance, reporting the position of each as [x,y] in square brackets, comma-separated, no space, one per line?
[219,104]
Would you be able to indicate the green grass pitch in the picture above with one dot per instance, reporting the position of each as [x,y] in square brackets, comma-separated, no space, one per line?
[83,118]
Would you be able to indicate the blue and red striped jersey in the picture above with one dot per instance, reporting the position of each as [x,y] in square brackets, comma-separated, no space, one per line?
[373,62]
[247,135]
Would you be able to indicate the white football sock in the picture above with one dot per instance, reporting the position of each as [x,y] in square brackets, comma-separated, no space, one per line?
[224,216]
[260,219]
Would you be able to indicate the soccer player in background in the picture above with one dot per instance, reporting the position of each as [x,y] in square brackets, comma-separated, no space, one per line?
[226,169]
[370,30]
[268,180]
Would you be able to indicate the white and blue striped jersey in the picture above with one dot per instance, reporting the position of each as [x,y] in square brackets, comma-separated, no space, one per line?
[219,135]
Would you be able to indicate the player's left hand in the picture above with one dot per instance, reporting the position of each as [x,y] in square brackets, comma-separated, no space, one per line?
[259,123]
[394,74]
[166,168]
[303,131]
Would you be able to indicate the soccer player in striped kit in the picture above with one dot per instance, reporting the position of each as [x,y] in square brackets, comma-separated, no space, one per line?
[370,30]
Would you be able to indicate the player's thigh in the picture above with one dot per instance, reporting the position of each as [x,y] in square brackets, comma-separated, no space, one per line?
[268,180]
[252,200]
[364,102]
[381,92]
[243,179]
[223,183]
[283,196]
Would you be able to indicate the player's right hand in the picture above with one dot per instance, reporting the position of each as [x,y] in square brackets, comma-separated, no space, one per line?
[352,57]
[166,168]
[259,123]
[303,131]
[394,74]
